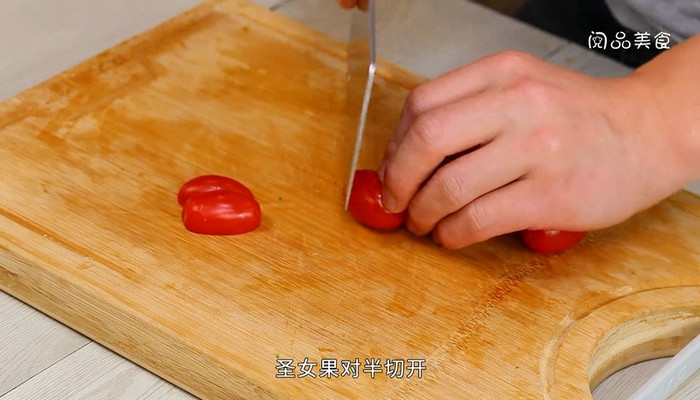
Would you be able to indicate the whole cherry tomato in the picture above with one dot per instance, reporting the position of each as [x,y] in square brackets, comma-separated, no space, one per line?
[551,241]
[211,183]
[366,202]
[221,213]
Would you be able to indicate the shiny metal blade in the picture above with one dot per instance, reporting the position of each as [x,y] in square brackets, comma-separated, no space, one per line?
[361,68]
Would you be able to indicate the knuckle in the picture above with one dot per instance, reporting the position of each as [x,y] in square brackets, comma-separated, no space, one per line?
[391,148]
[428,131]
[451,187]
[471,228]
[415,102]
[477,220]
[512,62]
[529,91]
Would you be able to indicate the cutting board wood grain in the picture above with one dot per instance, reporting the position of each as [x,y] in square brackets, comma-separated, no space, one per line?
[90,233]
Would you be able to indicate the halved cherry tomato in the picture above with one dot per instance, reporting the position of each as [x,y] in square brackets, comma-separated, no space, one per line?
[366,202]
[221,213]
[551,241]
[211,183]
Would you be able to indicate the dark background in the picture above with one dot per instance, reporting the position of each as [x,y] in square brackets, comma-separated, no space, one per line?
[573,20]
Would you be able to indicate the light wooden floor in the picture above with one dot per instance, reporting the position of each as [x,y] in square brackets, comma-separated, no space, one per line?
[42,359]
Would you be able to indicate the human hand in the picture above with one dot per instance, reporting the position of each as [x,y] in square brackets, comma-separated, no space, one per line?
[547,148]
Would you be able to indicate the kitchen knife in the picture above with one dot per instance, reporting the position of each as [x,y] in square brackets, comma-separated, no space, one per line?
[672,374]
[360,78]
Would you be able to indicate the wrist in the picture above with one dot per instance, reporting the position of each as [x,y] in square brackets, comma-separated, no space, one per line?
[669,126]
[672,83]
[653,154]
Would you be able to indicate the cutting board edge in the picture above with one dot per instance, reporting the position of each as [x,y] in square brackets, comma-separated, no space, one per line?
[47,298]
[53,288]
[12,109]
[46,292]
[589,348]
[32,101]
[333,46]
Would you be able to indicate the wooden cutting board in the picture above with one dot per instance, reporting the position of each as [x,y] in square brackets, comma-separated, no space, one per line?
[90,233]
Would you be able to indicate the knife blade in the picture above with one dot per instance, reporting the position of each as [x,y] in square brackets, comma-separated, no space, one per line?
[360,79]
[671,375]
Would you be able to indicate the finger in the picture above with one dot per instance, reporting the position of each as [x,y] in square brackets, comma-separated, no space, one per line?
[493,71]
[508,209]
[441,132]
[462,181]
[347,3]
[389,152]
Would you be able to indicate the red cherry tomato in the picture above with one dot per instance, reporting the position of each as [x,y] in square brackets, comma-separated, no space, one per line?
[366,203]
[221,213]
[211,183]
[551,241]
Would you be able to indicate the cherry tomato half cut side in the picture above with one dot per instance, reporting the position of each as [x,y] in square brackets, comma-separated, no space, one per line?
[221,213]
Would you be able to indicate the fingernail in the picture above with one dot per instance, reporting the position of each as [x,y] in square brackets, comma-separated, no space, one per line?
[388,201]
[381,171]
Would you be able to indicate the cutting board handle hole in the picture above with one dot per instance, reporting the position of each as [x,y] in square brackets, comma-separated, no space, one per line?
[657,334]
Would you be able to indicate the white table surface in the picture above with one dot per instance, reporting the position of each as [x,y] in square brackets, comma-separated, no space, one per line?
[42,359]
